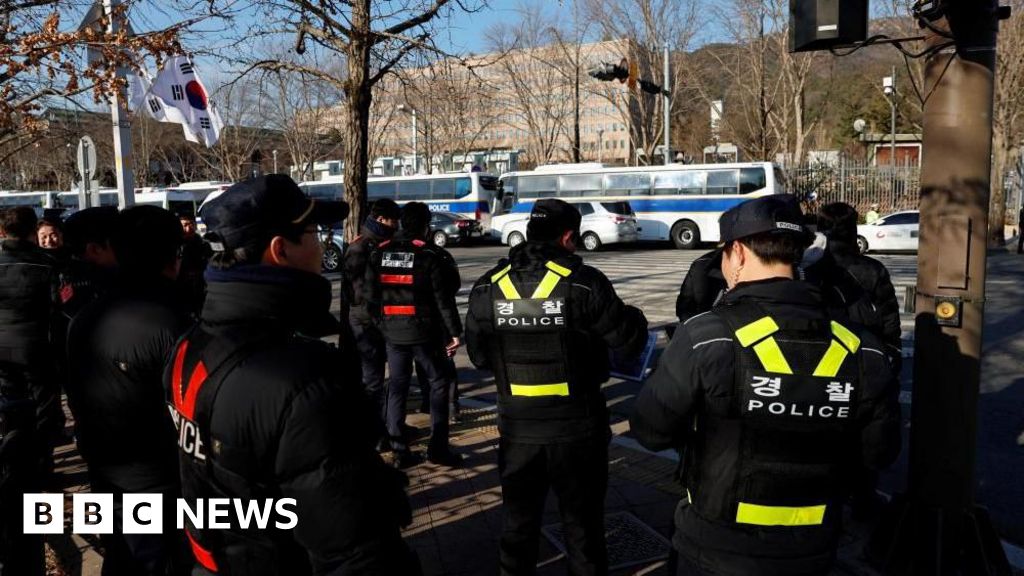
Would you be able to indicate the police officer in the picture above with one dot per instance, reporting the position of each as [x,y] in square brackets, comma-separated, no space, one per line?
[30,412]
[116,347]
[772,403]
[408,287]
[263,406]
[380,226]
[544,323]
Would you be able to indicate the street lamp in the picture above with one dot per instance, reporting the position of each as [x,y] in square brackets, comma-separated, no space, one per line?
[889,89]
[415,149]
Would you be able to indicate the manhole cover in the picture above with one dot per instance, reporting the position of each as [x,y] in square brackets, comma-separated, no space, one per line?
[630,541]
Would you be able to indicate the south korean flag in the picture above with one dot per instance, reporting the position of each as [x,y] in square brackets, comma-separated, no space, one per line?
[183,98]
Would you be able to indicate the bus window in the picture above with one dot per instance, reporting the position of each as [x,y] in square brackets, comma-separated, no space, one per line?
[752,180]
[576,185]
[781,181]
[375,190]
[442,189]
[537,186]
[627,184]
[722,182]
[414,190]
[489,183]
[463,186]
[679,182]
[332,191]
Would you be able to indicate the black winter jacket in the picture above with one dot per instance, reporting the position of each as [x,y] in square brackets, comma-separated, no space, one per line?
[702,286]
[288,422]
[696,376]
[117,347]
[357,256]
[430,311]
[874,278]
[600,322]
[28,316]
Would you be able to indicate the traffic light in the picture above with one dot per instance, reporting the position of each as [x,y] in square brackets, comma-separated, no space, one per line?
[608,72]
[825,24]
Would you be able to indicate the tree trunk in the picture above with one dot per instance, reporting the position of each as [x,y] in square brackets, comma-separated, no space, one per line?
[358,99]
[997,199]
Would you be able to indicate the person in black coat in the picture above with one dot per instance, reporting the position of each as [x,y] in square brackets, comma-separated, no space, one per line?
[31,417]
[379,227]
[268,409]
[408,290]
[702,287]
[117,347]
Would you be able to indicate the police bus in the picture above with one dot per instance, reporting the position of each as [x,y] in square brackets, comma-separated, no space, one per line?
[678,202]
[469,194]
[37,200]
[180,202]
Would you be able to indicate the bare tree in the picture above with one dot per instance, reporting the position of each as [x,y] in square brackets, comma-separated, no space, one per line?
[298,107]
[242,107]
[1008,120]
[373,38]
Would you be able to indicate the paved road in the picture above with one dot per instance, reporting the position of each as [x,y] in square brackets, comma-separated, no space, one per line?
[649,277]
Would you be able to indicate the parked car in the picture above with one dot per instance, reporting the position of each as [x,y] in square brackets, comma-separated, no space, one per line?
[897,231]
[602,223]
[334,248]
[447,227]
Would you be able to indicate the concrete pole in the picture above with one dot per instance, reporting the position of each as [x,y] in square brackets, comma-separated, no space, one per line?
[415,146]
[122,123]
[892,125]
[668,107]
[937,528]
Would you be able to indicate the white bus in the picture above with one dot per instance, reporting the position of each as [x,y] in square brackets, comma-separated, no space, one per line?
[69,200]
[180,202]
[37,200]
[468,194]
[678,202]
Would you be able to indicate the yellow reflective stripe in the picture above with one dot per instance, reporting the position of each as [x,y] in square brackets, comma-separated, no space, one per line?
[559,269]
[497,275]
[507,288]
[847,338]
[756,330]
[770,355]
[780,515]
[547,285]
[560,389]
[832,360]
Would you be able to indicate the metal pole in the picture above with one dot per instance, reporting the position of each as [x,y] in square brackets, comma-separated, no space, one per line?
[600,144]
[275,161]
[415,146]
[122,124]
[892,125]
[668,106]
[937,528]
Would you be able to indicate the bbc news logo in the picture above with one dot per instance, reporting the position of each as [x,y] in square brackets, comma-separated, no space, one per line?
[144,513]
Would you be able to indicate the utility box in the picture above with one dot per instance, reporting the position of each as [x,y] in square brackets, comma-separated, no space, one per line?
[824,24]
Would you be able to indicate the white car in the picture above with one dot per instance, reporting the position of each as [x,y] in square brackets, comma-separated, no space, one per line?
[602,223]
[897,231]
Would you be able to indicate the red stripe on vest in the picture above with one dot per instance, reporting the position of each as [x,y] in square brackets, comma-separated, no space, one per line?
[399,310]
[179,365]
[384,243]
[203,556]
[195,382]
[396,278]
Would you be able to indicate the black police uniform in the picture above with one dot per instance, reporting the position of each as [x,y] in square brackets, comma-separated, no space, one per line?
[407,281]
[543,323]
[264,410]
[702,286]
[368,338]
[774,405]
[30,412]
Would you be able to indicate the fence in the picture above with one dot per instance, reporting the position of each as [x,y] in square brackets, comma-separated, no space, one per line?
[858,183]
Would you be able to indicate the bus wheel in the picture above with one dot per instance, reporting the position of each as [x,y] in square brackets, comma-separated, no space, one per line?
[515,239]
[332,258]
[685,235]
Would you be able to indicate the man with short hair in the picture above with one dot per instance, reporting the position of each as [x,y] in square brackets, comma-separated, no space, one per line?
[31,417]
[773,403]
[91,268]
[380,226]
[408,290]
[544,323]
[265,407]
[117,347]
[194,256]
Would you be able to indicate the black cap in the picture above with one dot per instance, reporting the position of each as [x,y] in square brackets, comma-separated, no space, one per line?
[550,218]
[257,209]
[779,213]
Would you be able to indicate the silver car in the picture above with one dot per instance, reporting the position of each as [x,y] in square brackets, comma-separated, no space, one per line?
[602,223]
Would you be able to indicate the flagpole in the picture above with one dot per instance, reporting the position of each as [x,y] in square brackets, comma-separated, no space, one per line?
[122,123]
